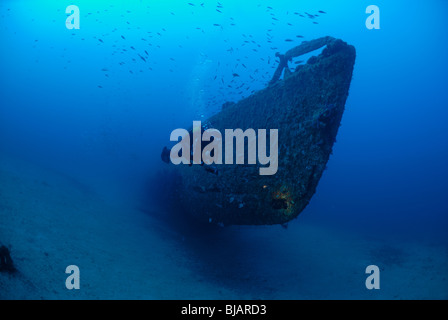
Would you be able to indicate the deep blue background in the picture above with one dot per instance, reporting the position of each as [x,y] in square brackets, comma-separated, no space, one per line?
[388,173]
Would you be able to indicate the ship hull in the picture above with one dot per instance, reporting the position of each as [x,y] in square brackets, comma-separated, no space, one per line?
[306,107]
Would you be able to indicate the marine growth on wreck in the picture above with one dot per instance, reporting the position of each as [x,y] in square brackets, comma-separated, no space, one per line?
[306,108]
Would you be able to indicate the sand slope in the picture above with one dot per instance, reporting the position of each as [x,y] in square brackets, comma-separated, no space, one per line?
[50,221]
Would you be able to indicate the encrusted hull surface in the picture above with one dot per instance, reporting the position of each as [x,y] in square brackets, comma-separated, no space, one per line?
[306,107]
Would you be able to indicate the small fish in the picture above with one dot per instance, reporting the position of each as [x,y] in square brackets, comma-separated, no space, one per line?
[100,40]
[191,4]
[288,40]
[216,25]
[320,11]
[236,75]
[299,36]
[123,37]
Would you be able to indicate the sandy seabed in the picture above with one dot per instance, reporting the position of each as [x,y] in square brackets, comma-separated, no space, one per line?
[50,221]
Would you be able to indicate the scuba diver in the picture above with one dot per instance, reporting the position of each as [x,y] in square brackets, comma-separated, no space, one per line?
[209,168]
[166,155]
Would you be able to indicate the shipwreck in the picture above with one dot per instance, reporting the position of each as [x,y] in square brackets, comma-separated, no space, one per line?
[306,106]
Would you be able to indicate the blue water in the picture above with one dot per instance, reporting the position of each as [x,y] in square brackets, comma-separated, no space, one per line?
[99,103]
